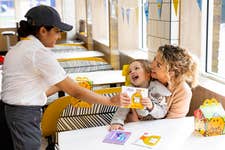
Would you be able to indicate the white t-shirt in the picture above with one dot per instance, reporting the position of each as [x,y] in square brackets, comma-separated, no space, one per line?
[29,70]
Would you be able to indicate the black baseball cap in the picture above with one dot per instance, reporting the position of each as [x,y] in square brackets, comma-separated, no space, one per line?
[46,15]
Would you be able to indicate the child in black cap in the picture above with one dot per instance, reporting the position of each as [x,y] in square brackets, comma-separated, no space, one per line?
[31,73]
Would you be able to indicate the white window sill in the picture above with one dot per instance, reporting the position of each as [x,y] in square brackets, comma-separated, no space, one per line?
[212,85]
[103,41]
[135,54]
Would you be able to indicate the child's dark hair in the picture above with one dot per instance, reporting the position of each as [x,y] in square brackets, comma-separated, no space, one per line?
[26,29]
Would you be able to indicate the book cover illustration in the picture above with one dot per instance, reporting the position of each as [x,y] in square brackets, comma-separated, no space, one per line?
[148,140]
[117,137]
[135,94]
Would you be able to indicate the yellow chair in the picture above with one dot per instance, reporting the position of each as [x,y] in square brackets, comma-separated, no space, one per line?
[54,109]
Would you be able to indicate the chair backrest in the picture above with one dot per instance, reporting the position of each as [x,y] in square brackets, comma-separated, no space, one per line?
[51,115]
[125,72]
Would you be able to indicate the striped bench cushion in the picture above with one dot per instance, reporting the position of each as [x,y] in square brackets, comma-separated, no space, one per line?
[83,121]
[77,117]
[95,109]
[89,68]
[66,49]
[85,66]
[81,63]
[71,111]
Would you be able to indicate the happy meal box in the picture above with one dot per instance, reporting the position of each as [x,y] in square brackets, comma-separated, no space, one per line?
[210,118]
[86,83]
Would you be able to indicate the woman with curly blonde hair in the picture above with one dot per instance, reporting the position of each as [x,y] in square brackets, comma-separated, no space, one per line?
[177,69]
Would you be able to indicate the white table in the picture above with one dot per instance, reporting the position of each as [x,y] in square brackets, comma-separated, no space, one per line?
[102,77]
[176,134]
[78,54]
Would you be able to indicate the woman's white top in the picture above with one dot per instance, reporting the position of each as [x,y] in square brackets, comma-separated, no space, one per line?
[29,70]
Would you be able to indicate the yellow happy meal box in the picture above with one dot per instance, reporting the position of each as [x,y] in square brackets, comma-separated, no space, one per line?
[85,82]
[210,118]
[135,94]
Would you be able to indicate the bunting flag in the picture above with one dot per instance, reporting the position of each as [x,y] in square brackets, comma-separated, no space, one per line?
[199,4]
[137,14]
[159,6]
[146,8]
[126,12]
[105,5]
[122,12]
[175,5]
[128,15]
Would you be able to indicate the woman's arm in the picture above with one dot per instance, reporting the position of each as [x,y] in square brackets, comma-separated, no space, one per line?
[72,88]
[52,90]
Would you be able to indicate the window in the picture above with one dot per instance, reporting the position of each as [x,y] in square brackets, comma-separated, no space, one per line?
[7,13]
[12,11]
[215,45]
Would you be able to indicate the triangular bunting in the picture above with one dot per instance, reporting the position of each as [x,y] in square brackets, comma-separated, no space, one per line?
[122,12]
[146,8]
[128,15]
[159,7]
[175,5]
[199,4]
[137,13]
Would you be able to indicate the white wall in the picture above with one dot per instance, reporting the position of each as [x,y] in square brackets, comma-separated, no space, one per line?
[68,13]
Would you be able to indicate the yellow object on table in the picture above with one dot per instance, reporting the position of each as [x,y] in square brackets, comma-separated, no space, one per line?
[86,83]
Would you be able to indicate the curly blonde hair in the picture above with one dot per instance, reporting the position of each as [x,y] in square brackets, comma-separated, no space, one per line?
[181,62]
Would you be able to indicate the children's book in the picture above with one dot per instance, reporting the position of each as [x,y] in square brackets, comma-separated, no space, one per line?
[135,94]
[148,140]
[117,137]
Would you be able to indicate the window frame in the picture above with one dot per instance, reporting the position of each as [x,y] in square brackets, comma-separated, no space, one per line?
[207,28]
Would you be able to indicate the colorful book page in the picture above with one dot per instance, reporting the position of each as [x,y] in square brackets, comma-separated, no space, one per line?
[148,140]
[117,137]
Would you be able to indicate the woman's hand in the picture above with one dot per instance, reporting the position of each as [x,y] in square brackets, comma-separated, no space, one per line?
[116,127]
[146,102]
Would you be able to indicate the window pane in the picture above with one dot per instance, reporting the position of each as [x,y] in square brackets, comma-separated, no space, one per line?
[13,11]
[216,38]
[41,2]
[7,13]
